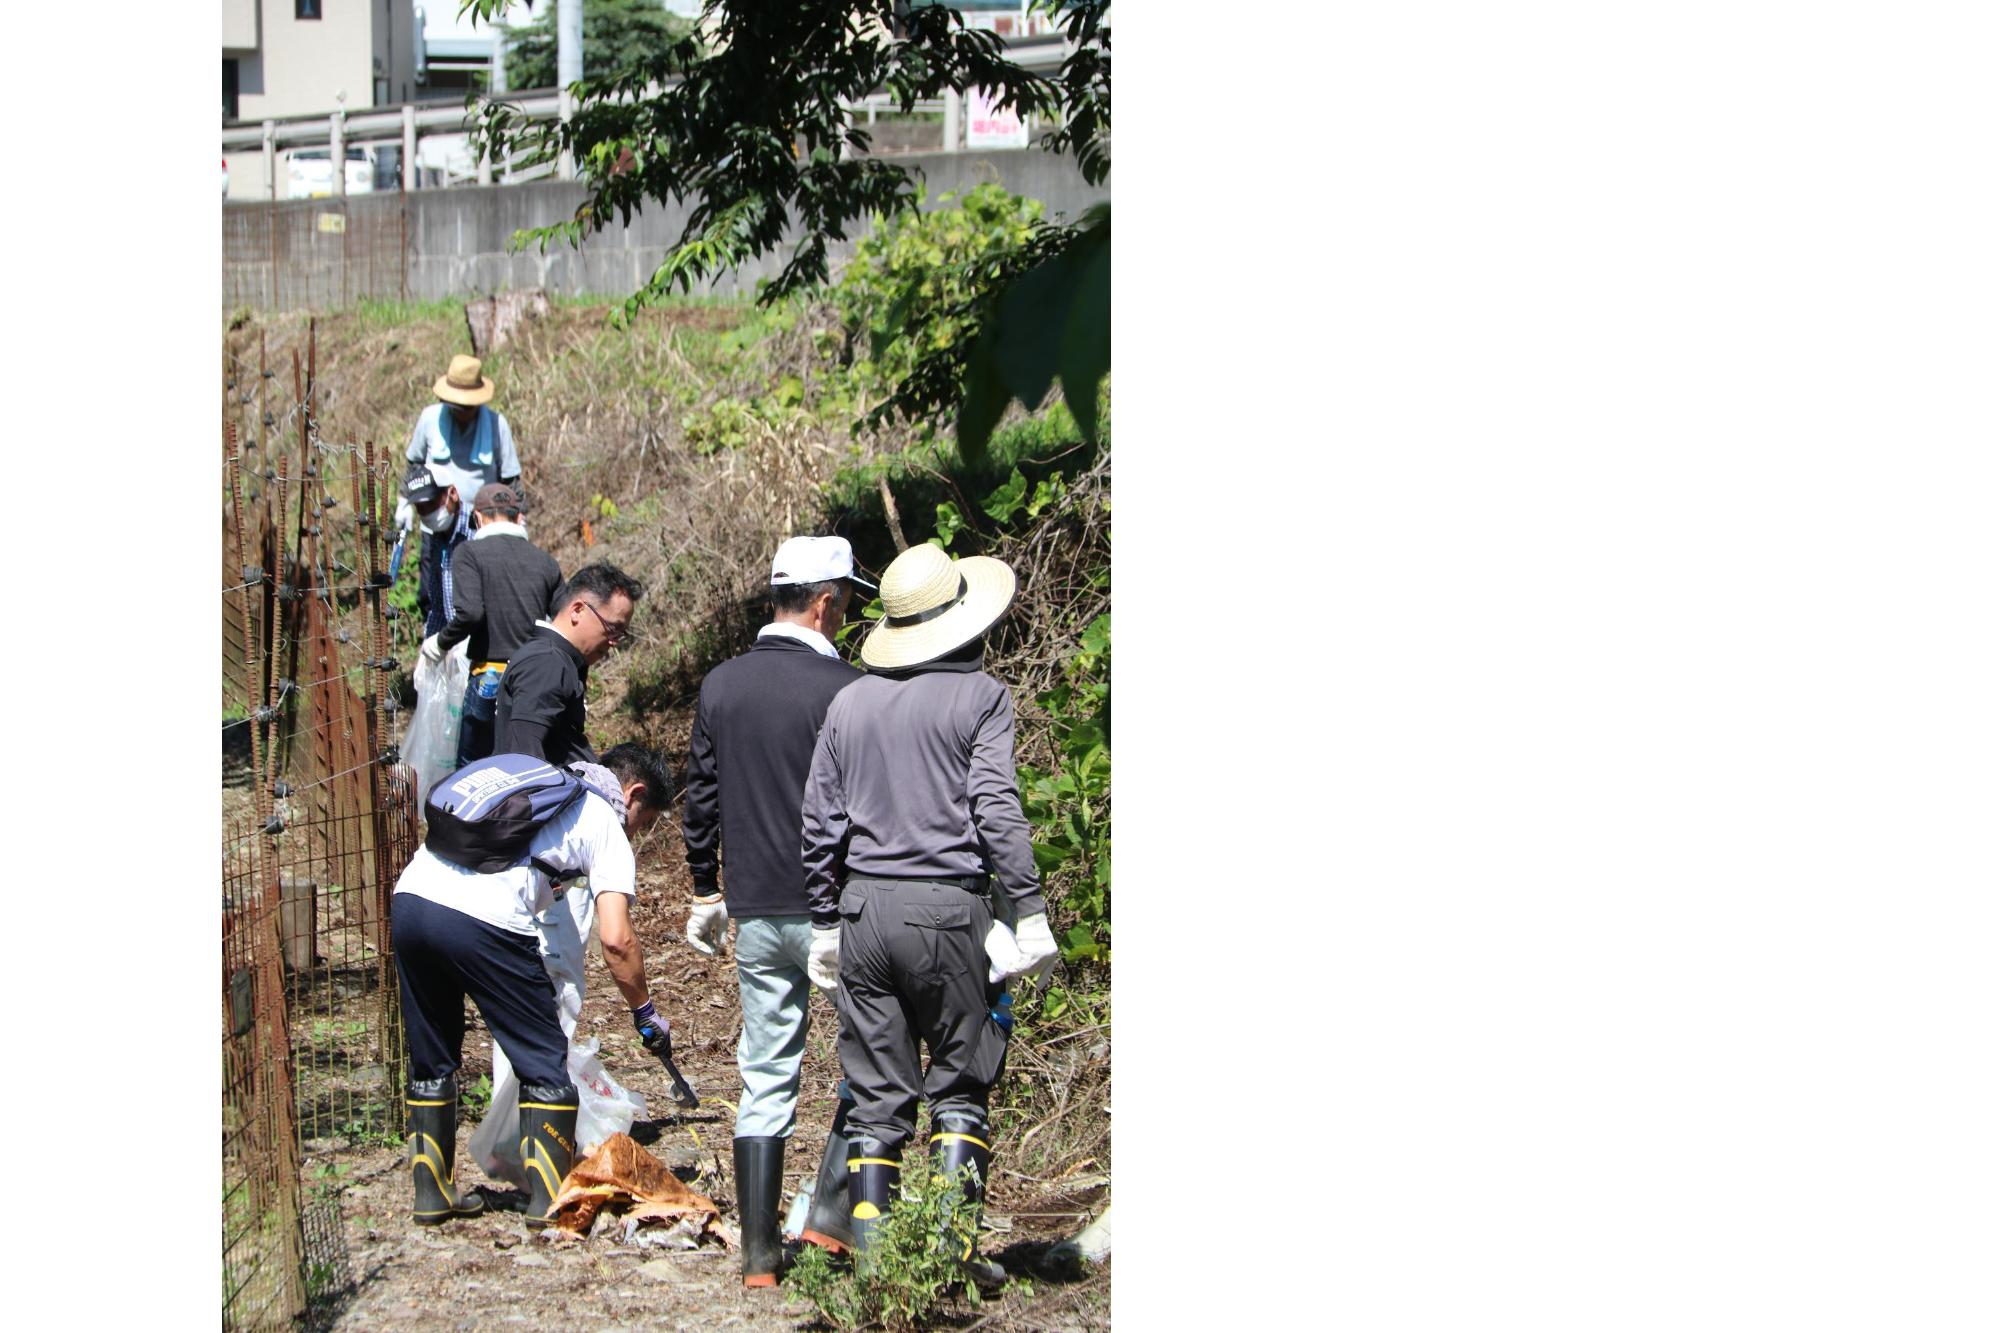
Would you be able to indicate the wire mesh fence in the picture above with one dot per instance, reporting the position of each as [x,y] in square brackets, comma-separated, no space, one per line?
[321,820]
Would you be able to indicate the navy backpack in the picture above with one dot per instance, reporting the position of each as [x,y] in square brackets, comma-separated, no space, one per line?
[484,816]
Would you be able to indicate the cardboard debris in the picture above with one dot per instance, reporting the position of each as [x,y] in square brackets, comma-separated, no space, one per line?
[625,1177]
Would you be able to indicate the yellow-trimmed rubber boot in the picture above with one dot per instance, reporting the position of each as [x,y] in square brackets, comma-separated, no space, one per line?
[962,1144]
[433,1112]
[548,1145]
[873,1170]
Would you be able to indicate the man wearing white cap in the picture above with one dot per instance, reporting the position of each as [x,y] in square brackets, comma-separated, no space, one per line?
[466,445]
[918,861]
[752,741]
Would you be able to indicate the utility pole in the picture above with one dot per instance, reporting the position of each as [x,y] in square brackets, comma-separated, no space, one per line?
[569,68]
[337,148]
[569,42]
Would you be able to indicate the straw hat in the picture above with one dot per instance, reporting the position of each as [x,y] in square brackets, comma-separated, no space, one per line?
[933,604]
[463,384]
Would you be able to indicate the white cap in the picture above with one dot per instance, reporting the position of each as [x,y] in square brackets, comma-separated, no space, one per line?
[814,560]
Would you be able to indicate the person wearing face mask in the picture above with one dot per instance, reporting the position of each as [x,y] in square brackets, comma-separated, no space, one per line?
[435,506]
[540,711]
[466,445]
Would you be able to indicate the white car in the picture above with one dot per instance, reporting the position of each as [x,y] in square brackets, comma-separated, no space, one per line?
[225,178]
[310,173]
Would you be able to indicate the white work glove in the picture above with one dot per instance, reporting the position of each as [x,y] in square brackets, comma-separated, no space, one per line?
[823,963]
[1010,953]
[708,925]
[431,652]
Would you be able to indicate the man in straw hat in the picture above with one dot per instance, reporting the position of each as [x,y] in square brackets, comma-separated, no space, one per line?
[752,742]
[466,445]
[911,820]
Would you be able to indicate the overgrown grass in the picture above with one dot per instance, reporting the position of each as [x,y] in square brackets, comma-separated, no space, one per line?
[372,314]
[683,449]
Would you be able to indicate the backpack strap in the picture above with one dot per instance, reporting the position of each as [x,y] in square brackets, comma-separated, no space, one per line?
[556,875]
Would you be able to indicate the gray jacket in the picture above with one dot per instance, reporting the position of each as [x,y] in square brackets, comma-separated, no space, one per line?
[913,778]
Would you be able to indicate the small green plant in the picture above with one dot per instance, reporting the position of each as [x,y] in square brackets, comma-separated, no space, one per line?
[909,1271]
[333,1031]
[320,1277]
[476,1096]
[1069,807]
[949,524]
[364,1133]
[848,636]
[327,1179]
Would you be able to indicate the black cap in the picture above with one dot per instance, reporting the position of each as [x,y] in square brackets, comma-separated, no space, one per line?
[419,486]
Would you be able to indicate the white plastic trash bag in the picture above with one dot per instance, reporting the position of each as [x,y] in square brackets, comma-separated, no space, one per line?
[603,1107]
[430,745]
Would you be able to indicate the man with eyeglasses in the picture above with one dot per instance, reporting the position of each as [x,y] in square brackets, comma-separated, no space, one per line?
[540,711]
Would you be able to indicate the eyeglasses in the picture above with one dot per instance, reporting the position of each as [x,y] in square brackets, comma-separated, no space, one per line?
[615,633]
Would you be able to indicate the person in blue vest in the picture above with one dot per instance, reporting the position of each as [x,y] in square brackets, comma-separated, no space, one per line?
[466,445]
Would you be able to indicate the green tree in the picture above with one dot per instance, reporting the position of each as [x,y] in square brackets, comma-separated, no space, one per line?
[616,34]
[748,134]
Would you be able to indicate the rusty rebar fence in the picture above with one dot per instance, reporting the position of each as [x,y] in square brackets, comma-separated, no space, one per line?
[321,820]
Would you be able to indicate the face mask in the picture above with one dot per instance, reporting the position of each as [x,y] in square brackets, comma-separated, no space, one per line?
[438,521]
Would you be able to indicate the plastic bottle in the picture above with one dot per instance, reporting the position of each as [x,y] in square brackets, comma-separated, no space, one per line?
[1003,1012]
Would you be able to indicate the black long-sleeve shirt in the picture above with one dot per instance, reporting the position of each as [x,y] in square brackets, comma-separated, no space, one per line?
[540,710]
[752,742]
[501,585]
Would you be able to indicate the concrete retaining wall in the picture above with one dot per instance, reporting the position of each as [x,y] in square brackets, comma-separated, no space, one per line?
[452,244]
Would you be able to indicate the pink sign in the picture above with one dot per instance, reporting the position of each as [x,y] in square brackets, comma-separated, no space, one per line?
[988,126]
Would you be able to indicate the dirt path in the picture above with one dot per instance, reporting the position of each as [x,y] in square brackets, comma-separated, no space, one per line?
[491,1270]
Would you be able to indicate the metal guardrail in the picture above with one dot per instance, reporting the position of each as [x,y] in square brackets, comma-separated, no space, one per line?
[407,123]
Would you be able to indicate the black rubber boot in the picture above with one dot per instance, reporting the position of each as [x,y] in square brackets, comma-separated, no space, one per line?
[873,1170]
[548,1144]
[760,1179]
[433,1110]
[962,1139]
[826,1225]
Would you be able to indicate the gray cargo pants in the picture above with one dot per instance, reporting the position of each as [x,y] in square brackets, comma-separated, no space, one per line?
[913,968]
[771,953]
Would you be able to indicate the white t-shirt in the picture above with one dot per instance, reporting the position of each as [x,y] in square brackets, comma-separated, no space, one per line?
[587,838]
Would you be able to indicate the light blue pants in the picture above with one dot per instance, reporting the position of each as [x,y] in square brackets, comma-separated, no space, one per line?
[771,953]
